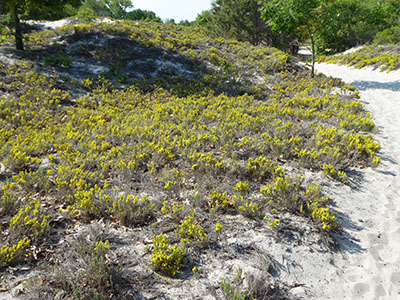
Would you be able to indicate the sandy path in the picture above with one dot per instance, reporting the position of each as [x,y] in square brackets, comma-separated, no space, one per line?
[369,265]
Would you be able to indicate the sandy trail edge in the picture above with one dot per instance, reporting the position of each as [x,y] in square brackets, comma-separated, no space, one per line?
[370,264]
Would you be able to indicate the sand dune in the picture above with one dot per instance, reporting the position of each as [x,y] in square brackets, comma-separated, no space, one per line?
[368,263]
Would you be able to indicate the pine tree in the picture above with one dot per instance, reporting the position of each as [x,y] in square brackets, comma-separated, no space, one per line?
[240,20]
[17,7]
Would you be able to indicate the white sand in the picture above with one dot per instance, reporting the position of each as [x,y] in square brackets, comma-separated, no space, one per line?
[370,267]
[51,25]
[351,50]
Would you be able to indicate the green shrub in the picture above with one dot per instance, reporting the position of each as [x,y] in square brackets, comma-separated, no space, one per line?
[206,142]
[325,218]
[95,281]
[131,210]
[166,259]
[233,290]
[10,253]
[388,36]
[385,57]
[30,221]
[60,60]
[85,273]
[188,231]
[247,208]
[242,187]
[86,14]
[8,199]
[284,193]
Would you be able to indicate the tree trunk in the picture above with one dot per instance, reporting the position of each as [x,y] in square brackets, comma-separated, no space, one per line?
[18,32]
[313,55]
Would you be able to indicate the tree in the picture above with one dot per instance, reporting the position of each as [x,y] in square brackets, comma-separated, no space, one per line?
[48,13]
[295,17]
[348,23]
[170,21]
[16,7]
[117,9]
[187,23]
[237,19]
[143,15]
[332,25]
[241,20]
[203,18]
[339,22]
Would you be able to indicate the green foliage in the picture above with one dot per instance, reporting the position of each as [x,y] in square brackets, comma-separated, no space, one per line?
[336,25]
[30,221]
[284,191]
[273,223]
[4,34]
[175,211]
[142,15]
[86,272]
[11,253]
[116,142]
[117,9]
[86,14]
[247,208]
[61,60]
[186,23]
[8,201]
[301,18]
[43,4]
[221,201]
[388,36]
[49,13]
[339,26]
[313,195]
[226,19]
[324,217]
[95,281]
[346,24]
[240,20]
[203,18]
[188,231]
[16,7]
[218,227]
[295,17]
[166,259]
[384,57]
[233,290]
[129,210]
[242,187]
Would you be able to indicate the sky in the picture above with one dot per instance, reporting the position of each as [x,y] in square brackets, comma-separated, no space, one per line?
[174,9]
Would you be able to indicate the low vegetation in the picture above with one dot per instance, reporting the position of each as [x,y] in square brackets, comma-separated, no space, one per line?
[211,130]
[385,57]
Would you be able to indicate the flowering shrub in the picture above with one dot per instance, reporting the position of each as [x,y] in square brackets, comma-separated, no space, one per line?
[166,259]
[8,254]
[224,135]
[385,57]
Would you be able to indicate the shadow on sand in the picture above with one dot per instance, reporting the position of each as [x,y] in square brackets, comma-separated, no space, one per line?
[367,85]
[347,242]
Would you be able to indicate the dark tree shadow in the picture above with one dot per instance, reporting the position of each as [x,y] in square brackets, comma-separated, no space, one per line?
[125,62]
[367,85]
